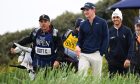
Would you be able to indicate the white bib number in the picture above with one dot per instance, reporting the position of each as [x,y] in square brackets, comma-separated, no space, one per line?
[43,51]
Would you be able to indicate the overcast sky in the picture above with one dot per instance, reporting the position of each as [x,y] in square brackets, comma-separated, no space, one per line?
[22,14]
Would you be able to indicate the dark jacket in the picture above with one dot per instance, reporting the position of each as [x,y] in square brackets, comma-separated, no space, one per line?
[93,37]
[135,51]
[119,44]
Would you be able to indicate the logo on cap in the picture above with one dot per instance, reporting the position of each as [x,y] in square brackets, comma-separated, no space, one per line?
[87,4]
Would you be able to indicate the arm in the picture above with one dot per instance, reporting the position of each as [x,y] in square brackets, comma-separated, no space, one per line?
[105,39]
[130,55]
[59,52]
[80,37]
[131,41]
[23,42]
[60,48]
[80,41]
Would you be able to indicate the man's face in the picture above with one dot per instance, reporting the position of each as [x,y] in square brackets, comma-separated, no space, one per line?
[116,20]
[89,12]
[44,24]
[137,28]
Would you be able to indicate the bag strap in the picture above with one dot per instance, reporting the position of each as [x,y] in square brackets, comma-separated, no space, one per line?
[67,33]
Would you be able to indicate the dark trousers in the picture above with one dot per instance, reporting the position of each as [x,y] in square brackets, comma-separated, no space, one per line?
[135,69]
[43,61]
[70,65]
[113,69]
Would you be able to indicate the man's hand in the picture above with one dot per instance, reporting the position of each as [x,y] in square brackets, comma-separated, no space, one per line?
[12,51]
[56,64]
[138,39]
[78,51]
[126,63]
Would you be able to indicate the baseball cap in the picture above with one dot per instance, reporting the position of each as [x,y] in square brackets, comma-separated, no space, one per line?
[137,20]
[78,22]
[118,13]
[44,17]
[88,5]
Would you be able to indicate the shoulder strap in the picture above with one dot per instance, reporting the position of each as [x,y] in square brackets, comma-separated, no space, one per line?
[67,33]
[55,32]
[35,31]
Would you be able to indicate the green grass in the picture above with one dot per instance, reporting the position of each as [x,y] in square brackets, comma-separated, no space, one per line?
[61,77]
[10,75]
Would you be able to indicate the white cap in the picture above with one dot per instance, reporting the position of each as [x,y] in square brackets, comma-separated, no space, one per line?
[117,12]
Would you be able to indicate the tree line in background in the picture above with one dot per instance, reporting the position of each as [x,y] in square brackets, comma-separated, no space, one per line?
[63,22]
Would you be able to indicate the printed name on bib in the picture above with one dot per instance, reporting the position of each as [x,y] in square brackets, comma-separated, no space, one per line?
[43,51]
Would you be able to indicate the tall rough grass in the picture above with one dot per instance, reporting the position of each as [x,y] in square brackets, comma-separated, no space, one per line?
[62,77]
